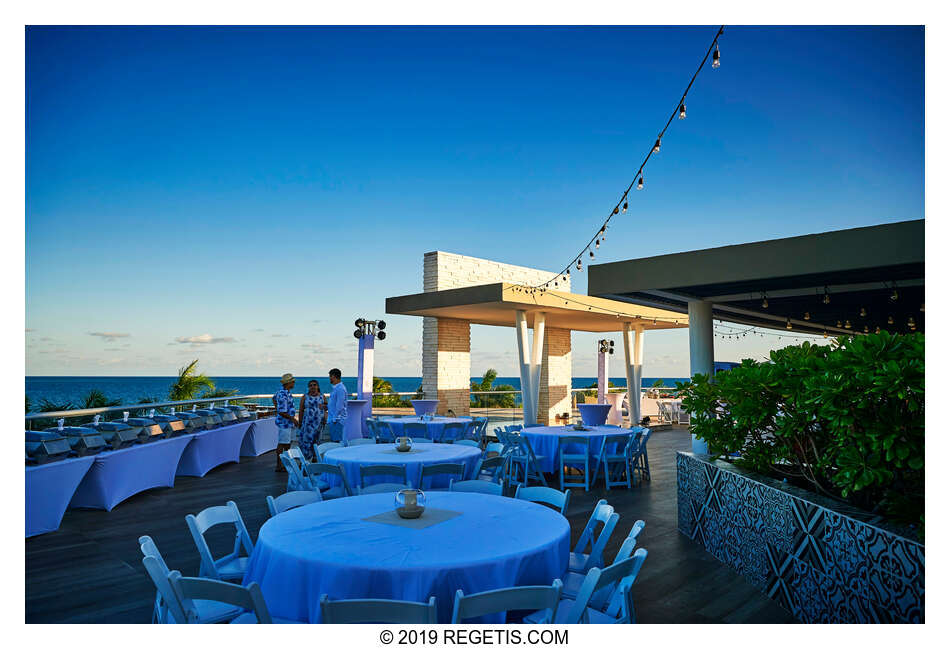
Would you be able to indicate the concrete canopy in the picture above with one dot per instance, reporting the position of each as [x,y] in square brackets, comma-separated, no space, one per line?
[873,276]
[497,304]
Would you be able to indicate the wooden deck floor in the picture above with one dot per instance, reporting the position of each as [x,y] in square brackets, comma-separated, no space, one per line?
[90,570]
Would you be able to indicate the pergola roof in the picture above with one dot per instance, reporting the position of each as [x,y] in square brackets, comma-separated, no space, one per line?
[858,268]
[496,304]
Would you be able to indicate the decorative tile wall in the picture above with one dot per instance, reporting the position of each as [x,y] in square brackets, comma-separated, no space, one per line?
[821,561]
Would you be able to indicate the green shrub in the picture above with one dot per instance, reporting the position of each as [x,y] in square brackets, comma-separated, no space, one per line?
[846,419]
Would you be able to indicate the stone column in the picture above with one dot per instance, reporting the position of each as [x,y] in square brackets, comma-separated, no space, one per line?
[555,392]
[447,363]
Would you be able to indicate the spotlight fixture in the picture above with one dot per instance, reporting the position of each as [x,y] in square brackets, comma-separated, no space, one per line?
[358,333]
[360,322]
[370,327]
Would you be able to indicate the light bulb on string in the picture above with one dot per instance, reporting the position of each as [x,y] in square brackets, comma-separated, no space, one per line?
[715,61]
[580,266]
[921,307]
[640,183]
[847,324]
[591,254]
[656,146]
[877,330]
[894,295]
[807,316]
[863,313]
[682,110]
[765,301]
[890,319]
[827,297]
[788,323]
[625,206]
[597,243]
[865,328]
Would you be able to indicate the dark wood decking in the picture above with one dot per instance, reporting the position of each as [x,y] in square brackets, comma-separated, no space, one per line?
[90,570]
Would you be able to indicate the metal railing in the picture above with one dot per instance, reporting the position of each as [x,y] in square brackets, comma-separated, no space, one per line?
[254,400]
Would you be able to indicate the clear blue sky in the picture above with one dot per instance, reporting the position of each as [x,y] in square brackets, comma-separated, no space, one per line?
[259,188]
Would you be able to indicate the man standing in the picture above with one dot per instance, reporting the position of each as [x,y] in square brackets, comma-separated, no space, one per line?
[286,417]
[336,411]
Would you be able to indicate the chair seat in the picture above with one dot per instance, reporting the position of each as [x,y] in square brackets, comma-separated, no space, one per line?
[250,618]
[564,609]
[233,569]
[335,492]
[211,612]
[577,563]
[572,582]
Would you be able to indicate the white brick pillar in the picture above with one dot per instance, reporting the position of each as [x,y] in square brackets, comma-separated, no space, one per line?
[447,363]
[555,392]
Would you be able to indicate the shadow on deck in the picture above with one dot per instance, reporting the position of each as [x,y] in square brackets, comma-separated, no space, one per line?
[90,570]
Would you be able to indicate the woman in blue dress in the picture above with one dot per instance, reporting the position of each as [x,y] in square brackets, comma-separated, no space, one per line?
[312,416]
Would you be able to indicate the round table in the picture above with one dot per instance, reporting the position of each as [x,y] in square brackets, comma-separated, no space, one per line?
[433,426]
[544,442]
[349,458]
[329,547]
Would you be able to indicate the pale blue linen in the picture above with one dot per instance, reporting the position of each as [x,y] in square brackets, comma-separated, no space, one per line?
[327,547]
[49,488]
[544,442]
[433,426]
[351,457]
[117,475]
[212,448]
[260,438]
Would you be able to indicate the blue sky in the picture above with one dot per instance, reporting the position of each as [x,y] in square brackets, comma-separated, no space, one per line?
[240,195]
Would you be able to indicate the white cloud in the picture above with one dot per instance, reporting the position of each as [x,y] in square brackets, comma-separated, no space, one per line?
[109,336]
[205,339]
[278,335]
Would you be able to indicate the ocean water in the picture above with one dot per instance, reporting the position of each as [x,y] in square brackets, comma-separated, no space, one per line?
[133,389]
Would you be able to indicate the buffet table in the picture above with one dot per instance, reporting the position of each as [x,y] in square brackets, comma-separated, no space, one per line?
[260,438]
[117,475]
[49,488]
[213,448]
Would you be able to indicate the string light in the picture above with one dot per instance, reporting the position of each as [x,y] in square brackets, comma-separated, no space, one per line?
[680,108]
[807,316]
[921,307]
[894,295]
[890,319]
[715,61]
[765,301]
[863,313]
[827,298]
[788,323]
[847,324]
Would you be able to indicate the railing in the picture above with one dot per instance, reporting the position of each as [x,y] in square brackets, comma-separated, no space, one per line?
[255,401]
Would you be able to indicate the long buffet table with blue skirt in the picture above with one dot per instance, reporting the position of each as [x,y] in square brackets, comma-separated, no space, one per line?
[49,488]
[117,475]
[260,438]
[349,458]
[359,548]
[213,448]
[433,426]
[544,442]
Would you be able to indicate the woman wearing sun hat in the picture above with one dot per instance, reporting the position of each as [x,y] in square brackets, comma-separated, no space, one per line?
[286,417]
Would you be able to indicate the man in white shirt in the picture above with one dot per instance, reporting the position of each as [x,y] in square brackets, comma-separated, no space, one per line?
[336,411]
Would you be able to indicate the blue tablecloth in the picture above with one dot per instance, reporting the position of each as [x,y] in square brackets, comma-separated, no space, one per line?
[433,426]
[213,448]
[49,488]
[422,454]
[116,475]
[544,442]
[326,547]
[260,437]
